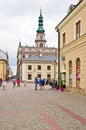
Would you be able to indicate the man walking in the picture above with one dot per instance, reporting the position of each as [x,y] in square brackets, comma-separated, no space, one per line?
[36,82]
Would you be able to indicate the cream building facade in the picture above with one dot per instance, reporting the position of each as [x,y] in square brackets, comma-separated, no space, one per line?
[4,65]
[38,60]
[72,48]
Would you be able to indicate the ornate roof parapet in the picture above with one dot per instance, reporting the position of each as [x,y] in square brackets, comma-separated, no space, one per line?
[71,7]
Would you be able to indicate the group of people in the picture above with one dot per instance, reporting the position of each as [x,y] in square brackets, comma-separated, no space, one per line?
[16,82]
[39,82]
[3,83]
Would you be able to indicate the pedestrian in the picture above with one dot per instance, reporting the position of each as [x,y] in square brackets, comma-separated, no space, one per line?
[36,82]
[0,82]
[18,82]
[52,83]
[4,84]
[41,84]
[14,82]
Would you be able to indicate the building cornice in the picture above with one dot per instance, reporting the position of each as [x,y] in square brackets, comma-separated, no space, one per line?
[70,15]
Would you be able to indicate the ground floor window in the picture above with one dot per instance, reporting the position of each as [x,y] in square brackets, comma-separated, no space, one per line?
[78,72]
[39,75]
[70,73]
[29,77]
[48,76]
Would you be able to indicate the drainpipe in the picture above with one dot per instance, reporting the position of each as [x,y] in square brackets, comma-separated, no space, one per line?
[58,58]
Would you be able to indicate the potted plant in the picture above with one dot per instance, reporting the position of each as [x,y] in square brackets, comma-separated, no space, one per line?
[56,85]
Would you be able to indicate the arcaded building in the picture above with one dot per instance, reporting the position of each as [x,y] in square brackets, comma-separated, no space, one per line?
[37,60]
[72,48]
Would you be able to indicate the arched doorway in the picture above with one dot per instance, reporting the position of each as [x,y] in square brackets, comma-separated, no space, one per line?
[63,74]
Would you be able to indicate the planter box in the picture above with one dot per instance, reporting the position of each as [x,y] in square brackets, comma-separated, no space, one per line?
[68,89]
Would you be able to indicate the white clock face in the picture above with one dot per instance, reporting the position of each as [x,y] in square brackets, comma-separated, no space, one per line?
[40,55]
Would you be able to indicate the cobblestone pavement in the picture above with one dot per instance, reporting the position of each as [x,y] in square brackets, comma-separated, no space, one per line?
[23,108]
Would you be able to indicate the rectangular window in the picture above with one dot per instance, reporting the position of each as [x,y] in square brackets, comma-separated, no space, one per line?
[48,67]
[23,56]
[48,76]
[39,75]
[78,24]
[29,76]
[29,67]
[41,44]
[64,36]
[39,67]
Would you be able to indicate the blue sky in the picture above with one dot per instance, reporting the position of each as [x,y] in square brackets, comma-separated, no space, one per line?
[19,21]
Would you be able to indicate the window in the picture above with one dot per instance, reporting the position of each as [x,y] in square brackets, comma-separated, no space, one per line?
[41,44]
[78,72]
[64,35]
[29,55]
[48,67]
[29,76]
[78,24]
[70,73]
[41,37]
[23,55]
[39,67]
[39,75]
[48,76]
[62,58]
[29,67]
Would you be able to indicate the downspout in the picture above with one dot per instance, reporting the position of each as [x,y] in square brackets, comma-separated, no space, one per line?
[58,58]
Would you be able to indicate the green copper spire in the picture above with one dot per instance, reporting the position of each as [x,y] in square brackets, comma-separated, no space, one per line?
[40,25]
[19,43]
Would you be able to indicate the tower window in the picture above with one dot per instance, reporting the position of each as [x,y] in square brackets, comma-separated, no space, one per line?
[23,55]
[41,37]
[41,44]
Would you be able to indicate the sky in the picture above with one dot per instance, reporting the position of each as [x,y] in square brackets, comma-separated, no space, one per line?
[19,22]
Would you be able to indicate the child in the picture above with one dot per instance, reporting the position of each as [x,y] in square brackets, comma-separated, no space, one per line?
[4,84]
[14,82]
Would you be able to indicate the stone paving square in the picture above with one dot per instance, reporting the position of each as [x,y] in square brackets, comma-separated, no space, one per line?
[23,108]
